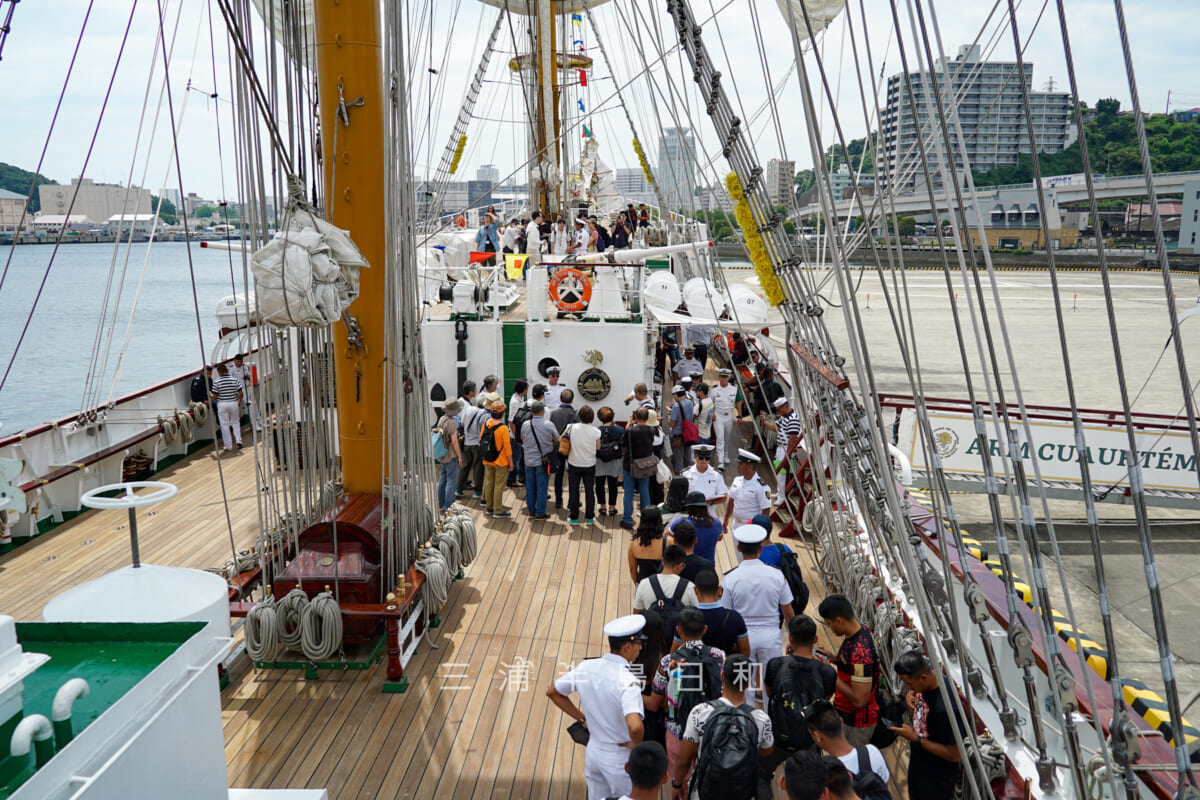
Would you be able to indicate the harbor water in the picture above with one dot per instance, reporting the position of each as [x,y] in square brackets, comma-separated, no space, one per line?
[149,294]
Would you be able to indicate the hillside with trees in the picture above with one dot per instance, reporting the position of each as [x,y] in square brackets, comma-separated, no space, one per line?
[1112,148]
[18,180]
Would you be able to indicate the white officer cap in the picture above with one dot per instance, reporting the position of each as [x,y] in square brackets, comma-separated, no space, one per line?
[705,450]
[748,457]
[627,626]
[780,401]
[749,534]
[724,372]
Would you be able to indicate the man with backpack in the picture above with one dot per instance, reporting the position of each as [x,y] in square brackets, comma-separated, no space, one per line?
[724,740]
[780,556]
[447,453]
[666,593]
[793,683]
[760,594]
[495,451]
[685,678]
[864,762]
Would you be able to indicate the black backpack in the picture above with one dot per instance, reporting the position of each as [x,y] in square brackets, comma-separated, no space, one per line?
[867,784]
[488,450]
[698,681]
[668,607]
[522,416]
[610,444]
[789,565]
[797,684]
[728,763]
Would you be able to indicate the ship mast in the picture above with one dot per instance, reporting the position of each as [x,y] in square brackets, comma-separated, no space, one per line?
[350,87]
[547,146]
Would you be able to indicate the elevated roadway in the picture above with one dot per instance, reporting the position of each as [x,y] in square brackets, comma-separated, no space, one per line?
[1072,189]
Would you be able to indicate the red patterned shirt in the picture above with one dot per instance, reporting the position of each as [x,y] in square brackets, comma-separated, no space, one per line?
[858,662]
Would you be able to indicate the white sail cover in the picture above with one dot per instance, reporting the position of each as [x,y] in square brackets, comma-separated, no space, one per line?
[307,274]
[820,14]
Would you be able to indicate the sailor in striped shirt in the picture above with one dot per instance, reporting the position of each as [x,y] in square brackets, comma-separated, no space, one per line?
[227,391]
[787,432]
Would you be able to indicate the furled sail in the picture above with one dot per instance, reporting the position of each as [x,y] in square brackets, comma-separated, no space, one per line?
[820,14]
[308,274]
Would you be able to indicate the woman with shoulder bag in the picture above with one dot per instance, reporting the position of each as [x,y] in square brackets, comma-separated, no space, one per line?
[583,441]
[638,463]
[608,461]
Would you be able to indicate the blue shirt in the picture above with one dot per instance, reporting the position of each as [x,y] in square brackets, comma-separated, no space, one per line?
[487,233]
[679,412]
[706,537]
[772,554]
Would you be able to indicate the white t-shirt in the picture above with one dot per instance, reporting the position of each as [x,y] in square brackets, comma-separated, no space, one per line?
[533,238]
[698,720]
[878,764]
[584,438]
[644,596]
[515,404]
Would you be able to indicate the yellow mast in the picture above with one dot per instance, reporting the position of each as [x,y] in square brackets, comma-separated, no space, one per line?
[350,66]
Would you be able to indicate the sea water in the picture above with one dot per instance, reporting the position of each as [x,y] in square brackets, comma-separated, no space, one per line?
[50,375]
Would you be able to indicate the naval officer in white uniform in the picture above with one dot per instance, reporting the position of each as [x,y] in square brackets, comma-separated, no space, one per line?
[554,389]
[701,477]
[748,495]
[610,705]
[725,400]
[759,593]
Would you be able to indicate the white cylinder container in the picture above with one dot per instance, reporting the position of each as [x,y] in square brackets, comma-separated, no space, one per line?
[746,305]
[704,299]
[661,291]
[147,593]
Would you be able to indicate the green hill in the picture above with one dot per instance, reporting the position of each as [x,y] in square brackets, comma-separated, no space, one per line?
[1113,148]
[18,180]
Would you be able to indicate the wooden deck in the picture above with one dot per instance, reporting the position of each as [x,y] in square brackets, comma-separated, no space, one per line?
[474,722]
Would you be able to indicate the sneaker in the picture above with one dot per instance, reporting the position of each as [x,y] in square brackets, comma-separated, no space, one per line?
[571,521]
[477,496]
[541,516]
[589,521]
[627,525]
[460,495]
[501,515]
[240,445]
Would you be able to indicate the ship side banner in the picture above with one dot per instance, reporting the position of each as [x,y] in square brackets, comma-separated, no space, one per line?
[1166,456]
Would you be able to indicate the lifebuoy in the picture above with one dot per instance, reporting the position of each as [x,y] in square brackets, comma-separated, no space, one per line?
[460,221]
[570,290]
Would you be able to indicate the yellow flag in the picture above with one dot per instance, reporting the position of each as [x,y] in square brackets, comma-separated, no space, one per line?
[514,265]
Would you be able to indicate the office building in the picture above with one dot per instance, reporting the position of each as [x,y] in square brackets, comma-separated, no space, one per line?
[1189,222]
[12,210]
[677,167]
[488,173]
[632,185]
[96,201]
[780,178]
[987,95]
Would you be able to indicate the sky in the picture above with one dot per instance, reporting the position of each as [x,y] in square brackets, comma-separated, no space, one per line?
[748,38]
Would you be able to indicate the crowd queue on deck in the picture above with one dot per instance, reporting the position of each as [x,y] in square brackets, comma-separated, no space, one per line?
[559,235]
[714,683]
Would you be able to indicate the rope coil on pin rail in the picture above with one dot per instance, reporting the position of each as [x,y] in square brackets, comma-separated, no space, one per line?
[570,290]
[199,412]
[170,428]
[262,630]
[183,421]
[321,627]
[291,610]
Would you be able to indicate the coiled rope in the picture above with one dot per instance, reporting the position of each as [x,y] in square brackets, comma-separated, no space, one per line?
[438,575]
[199,412]
[291,618]
[184,421]
[169,429]
[321,627]
[261,630]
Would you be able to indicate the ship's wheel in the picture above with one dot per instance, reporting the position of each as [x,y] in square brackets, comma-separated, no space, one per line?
[570,290]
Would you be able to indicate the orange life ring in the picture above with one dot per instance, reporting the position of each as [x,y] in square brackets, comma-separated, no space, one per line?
[460,221]
[570,290]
